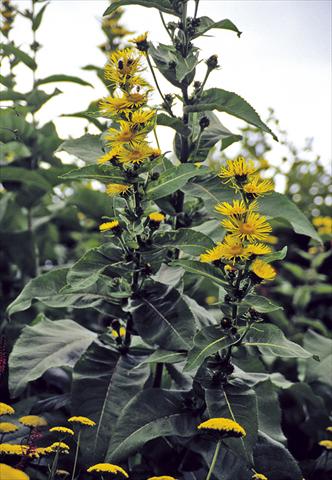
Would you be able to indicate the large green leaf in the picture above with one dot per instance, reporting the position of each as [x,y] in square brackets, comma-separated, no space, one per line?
[212,191]
[206,24]
[87,148]
[271,341]
[103,173]
[322,347]
[269,412]
[62,78]
[38,18]
[162,5]
[104,381]
[153,413]
[25,176]
[231,103]
[173,122]
[185,239]
[163,318]
[173,179]
[202,269]
[46,344]
[10,49]
[235,402]
[260,304]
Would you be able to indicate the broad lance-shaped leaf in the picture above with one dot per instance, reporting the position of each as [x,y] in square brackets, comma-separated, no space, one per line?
[30,178]
[63,78]
[153,413]
[206,24]
[162,5]
[269,412]
[87,148]
[104,381]
[173,179]
[20,56]
[202,269]
[271,341]
[164,356]
[163,318]
[259,303]
[103,173]
[173,122]
[231,103]
[58,343]
[185,239]
[238,403]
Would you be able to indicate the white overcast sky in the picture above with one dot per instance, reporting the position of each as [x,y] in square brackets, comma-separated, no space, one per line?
[282,60]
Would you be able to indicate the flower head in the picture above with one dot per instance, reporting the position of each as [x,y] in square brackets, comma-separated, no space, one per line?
[59,446]
[126,134]
[163,477]
[141,117]
[323,224]
[257,187]
[211,255]
[11,449]
[8,427]
[259,476]
[237,208]
[223,425]
[263,270]
[65,430]
[105,227]
[109,156]
[123,66]
[6,409]
[115,189]
[232,249]
[136,154]
[114,105]
[10,473]
[33,421]
[326,444]
[329,429]
[108,468]
[156,217]
[141,42]
[258,249]
[82,420]
[238,170]
[253,227]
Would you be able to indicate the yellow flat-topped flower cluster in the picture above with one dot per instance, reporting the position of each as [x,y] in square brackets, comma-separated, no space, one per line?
[247,232]
[224,426]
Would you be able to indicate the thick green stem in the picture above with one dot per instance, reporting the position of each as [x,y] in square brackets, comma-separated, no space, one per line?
[76,454]
[214,460]
[54,464]
[157,84]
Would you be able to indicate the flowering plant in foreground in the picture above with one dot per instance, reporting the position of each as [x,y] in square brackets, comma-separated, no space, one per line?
[160,385]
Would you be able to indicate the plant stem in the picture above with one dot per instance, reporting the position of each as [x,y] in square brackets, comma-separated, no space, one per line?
[214,460]
[156,137]
[76,454]
[164,23]
[157,84]
[54,464]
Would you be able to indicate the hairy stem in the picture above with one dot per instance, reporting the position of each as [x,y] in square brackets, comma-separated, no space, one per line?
[214,460]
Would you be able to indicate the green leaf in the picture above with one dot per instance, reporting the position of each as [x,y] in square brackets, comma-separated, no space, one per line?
[276,205]
[185,239]
[153,413]
[164,356]
[163,318]
[13,151]
[87,148]
[212,191]
[202,269]
[185,65]
[104,381]
[269,412]
[320,347]
[162,5]
[57,343]
[272,257]
[260,304]
[231,103]
[7,95]
[206,24]
[62,78]
[38,18]
[173,122]
[207,342]
[25,176]
[10,49]
[37,98]
[271,341]
[103,173]
[173,179]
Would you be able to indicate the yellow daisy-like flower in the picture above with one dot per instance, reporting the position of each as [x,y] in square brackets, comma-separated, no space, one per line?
[237,208]
[107,468]
[211,255]
[223,425]
[259,476]
[110,106]
[142,38]
[258,249]
[272,239]
[257,187]
[326,444]
[323,224]
[115,189]
[9,473]
[329,429]
[126,134]
[109,156]
[156,217]
[124,64]
[105,227]
[83,420]
[254,227]
[238,169]
[263,270]
[59,446]
[137,154]
[136,99]
[33,421]
[140,117]
[7,427]
[232,249]
[41,451]
[163,477]
[67,431]
[11,449]
[6,409]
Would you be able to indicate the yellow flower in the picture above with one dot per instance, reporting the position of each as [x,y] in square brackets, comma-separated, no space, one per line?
[263,270]
[254,227]
[11,449]
[33,421]
[326,444]
[223,425]
[211,255]
[126,134]
[65,430]
[141,42]
[59,446]
[258,249]
[115,189]
[238,169]
[211,299]
[83,420]
[43,451]
[225,208]
[163,477]
[121,333]
[232,249]
[137,154]
[324,225]
[6,409]
[259,476]
[109,156]
[271,239]
[142,116]
[136,99]
[10,473]
[7,427]
[257,187]
[105,227]
[119,31]
[124,64]
[329,429]
[156,217]
[113,105]
[107,468]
